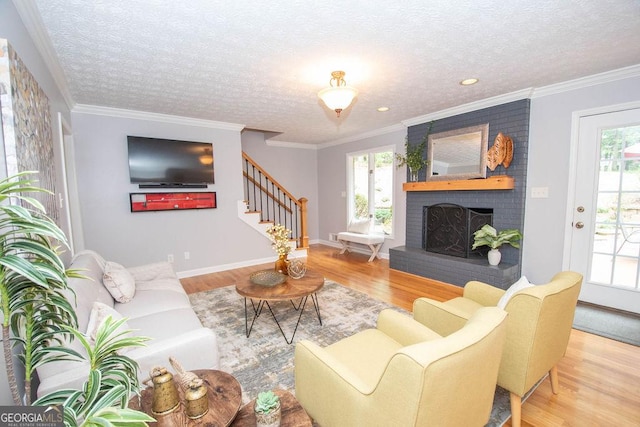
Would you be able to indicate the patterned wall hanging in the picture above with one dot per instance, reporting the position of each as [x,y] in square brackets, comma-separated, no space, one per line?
[26,126]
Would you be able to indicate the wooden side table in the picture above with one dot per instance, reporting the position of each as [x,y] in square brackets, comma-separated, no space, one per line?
[293,415]
[224,394]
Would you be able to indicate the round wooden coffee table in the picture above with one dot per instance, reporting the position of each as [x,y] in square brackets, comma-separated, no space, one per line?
[224,394]
[293,415]
[256,297]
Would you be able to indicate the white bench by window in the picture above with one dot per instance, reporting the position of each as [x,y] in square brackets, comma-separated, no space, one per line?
[359,232]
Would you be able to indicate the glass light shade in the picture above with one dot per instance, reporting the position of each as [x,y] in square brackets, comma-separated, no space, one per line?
[338,98]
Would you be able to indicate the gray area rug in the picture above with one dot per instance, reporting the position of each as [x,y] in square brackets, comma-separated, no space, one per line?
[609,323]
[265,361]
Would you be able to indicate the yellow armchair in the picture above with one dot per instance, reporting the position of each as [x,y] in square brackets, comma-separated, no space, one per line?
[538,328]
[403,374]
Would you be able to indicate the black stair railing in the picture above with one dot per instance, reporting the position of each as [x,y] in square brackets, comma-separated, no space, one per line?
[277,205]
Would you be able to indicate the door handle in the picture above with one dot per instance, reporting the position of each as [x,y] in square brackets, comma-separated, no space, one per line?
[579,224]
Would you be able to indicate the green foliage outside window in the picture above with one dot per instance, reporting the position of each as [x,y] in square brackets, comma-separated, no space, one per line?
[362,206]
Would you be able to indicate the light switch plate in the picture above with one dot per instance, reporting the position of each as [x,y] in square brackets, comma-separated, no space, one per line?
[539,192]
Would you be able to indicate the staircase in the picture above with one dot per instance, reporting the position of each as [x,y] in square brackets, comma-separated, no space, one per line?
[267,203]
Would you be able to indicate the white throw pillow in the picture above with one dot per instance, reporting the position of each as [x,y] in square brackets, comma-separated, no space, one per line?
[119,282]
[361,226]
[521,284]
[99,313]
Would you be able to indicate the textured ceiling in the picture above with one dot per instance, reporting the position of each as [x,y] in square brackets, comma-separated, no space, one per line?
[261,63]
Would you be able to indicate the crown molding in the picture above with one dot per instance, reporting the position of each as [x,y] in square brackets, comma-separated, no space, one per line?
[32,21]
[471,106]
[156,117]
[286,144]
[370,134]
[595,79]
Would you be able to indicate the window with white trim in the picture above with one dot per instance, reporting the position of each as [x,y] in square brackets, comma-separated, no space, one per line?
[370,187]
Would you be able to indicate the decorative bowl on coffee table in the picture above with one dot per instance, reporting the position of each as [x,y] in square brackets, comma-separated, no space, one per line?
[267,278]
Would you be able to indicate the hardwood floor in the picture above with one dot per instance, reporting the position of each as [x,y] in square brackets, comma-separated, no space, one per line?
[599,378]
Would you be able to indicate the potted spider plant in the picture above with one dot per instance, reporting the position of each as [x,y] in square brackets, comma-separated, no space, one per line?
[37,317]
[489,236]
[32,281]
[112,378]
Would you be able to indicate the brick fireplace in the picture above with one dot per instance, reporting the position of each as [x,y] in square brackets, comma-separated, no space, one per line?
[506,206]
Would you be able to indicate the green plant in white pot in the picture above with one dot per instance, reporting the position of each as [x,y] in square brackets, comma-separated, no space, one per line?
[489,236]
[267,409]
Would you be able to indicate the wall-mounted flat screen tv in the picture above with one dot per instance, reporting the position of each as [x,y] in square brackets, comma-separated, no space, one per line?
[169,163]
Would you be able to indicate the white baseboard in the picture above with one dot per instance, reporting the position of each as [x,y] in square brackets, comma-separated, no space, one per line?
[232,266]
[249,263]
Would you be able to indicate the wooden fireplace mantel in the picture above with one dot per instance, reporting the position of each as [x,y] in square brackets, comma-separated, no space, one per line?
[496,182]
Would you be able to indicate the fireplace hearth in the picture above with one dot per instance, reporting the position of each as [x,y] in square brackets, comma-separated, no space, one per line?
[448,229]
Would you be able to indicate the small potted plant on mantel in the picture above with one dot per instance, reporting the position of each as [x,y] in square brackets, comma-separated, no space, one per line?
[489,236]
[413,156]
[267,409]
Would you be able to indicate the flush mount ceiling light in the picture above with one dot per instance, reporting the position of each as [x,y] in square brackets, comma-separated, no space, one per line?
[469,82]
[382,109]
[338,95]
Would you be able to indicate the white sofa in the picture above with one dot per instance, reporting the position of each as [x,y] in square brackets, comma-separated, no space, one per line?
[159,309]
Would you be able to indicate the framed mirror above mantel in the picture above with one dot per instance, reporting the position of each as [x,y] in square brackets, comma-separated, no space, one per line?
[458,154]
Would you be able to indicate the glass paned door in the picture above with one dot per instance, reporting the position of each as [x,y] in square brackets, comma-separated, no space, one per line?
[605,242]
[617,232]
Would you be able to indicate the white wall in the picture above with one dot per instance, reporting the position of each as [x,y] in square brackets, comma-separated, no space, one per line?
[294,166]
[215,238]
[12,29]
[549,152]
[332,182]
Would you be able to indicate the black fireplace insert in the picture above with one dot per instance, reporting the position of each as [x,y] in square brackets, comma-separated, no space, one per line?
[448,229]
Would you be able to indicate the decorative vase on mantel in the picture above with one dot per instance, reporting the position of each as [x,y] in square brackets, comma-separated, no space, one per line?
[282,264]
[413,174]
[494,256]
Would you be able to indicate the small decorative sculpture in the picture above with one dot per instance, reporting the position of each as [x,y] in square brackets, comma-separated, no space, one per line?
[183,377]
[501,152]
[508,155]
[297,269]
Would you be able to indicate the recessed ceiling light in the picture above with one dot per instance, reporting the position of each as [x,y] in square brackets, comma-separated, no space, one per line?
[383,109]
[469,82]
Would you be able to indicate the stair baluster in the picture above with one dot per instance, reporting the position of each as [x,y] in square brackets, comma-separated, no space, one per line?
[277,205]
